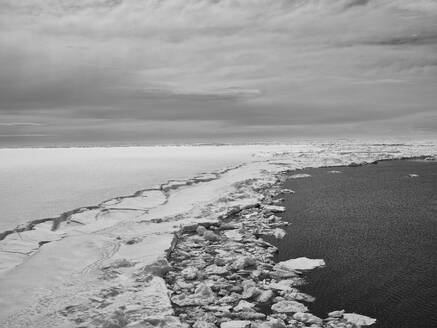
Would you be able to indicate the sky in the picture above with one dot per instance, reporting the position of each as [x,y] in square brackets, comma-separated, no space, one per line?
[118,72]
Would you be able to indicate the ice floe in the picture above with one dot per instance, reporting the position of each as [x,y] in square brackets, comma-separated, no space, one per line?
[300,264]
[307,318]
[300,175]
[289,307]
[358,319]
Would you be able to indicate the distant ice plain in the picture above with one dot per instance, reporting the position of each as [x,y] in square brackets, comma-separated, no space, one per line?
[44,182]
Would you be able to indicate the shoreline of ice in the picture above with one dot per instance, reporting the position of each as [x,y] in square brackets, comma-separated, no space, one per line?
[158,195]
[36,289]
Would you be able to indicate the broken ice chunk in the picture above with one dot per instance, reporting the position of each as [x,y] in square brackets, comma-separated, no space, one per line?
[358,319]
[289,307]
[299,264]
[299,175]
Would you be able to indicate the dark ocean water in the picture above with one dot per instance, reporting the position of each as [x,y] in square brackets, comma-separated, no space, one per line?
[376,228]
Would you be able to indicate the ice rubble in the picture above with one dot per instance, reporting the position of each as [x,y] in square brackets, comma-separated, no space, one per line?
[225,281]
[45,271]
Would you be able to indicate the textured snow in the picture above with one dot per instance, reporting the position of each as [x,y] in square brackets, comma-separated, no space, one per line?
[144,201]
[42,270]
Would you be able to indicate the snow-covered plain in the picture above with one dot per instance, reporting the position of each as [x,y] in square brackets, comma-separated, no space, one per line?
[42,271]
[44,182]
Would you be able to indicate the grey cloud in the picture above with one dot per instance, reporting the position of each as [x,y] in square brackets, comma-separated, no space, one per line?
[353,3]
[414,39]
[19,124]
[243,63]
[228,94]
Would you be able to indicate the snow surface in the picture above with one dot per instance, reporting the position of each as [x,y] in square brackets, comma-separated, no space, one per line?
[44,182]
[42,271]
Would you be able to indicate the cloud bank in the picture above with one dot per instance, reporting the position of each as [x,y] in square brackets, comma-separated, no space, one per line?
[167,70]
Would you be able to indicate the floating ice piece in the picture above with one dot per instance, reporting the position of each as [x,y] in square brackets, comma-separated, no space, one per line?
[233,234]
[413,175]
[300,264]
[244,306]
[274,208]
[202,295]
[210,236]
[299,175]
[307,318]
[279,233]
[216,270]
[203,324]
[295,295]
[156,321]
[243,262]
[235,324]
[282,285]
[265,296]
[289,307]
[272,323]
[358,319]
[189,273]
[335,172]
[336,314]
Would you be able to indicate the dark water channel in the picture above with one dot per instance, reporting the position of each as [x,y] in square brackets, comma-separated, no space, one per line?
[376,228]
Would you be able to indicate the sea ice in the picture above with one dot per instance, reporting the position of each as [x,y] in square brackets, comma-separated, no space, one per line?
[289,307]
[274,208]
[300,264]
[279,233]
[63,266]
[358,319]
[235,324]
[299,175]
[234,235]
[307,318]
[146,200]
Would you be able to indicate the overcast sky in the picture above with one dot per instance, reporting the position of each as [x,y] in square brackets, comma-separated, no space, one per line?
[169,71]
